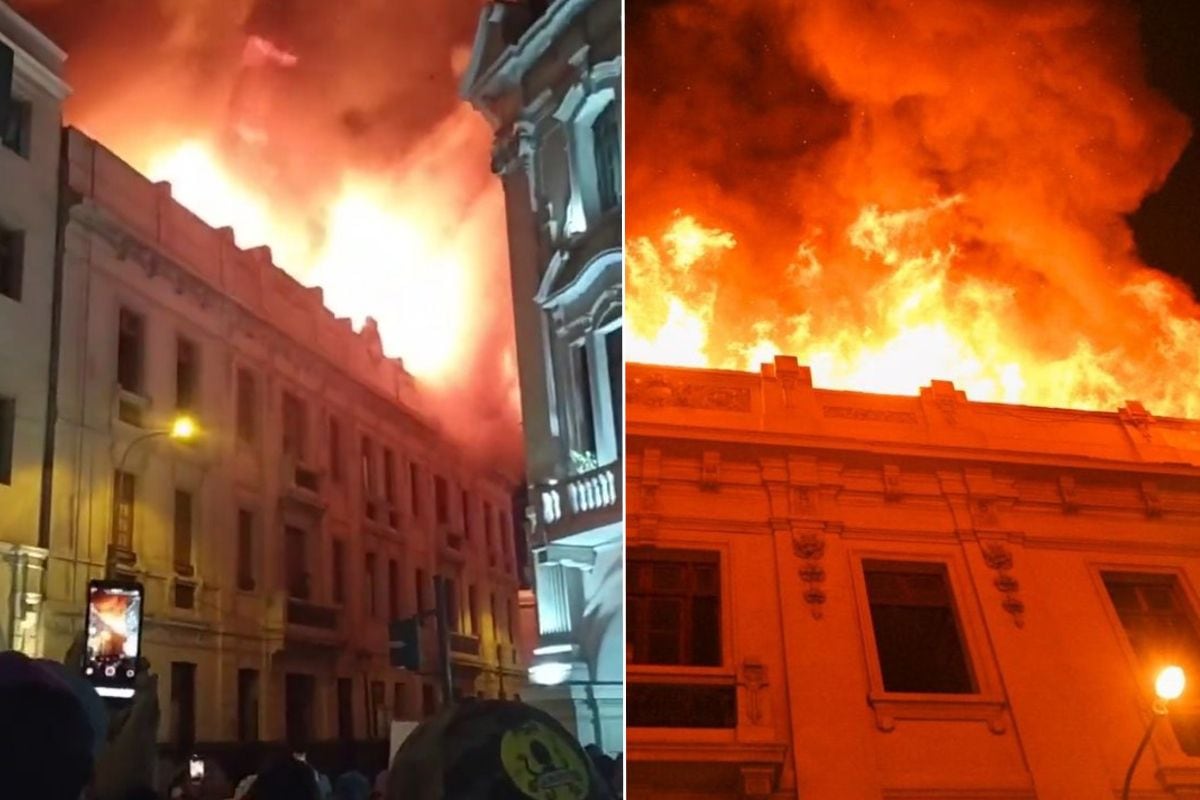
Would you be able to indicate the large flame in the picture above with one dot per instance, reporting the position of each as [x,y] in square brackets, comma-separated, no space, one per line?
[949,206]
[336,137]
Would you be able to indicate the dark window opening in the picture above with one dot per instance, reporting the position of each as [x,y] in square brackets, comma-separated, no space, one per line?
[245,551]
[606,140]
[183,532]
[393,589]
[298,702]
[345,709]
[917,636]
[12,263]
[674,612]
[296,563]
[339,571]
[130,341]
[370,586]
[441,499]
[293,426]
[616,380]
[183,704]
[8,432]
[246,404]
[1160,628]
[186,375]
[583,383]
[414,474]
[16,134]
[335,450]
[247,720]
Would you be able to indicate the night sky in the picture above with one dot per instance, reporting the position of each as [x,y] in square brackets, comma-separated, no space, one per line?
[1167,227]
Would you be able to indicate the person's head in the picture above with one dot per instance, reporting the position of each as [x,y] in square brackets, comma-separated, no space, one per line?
[285,779]
[352,786]
[45,737]
[493,749]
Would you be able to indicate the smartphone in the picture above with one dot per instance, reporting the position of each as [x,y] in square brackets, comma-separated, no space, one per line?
[114,636]
[196,768]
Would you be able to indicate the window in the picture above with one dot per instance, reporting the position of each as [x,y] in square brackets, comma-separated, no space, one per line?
[124,485]
[369,586]
[616,382]
[389,486]
[183,532]
[473,611]
[419,585]
[130,347]
[917,635]
[489,536]
[398,701]
[12,263]
[586,425]
[186,370]
[335,450]
[296,562]
[8,425]
[494,612]
[247,402]
[453,607]
[299,693]
[441,499]
[506,545]
[606,140]
[183,704]
[379,711]
[674,608]
[393,589]
[15,135]
[339,571]
[466,514]
[294,424]
[510,619]
[247,720]
[1155,615]
[345,709]
[368,477]
[414,474]
[245,551]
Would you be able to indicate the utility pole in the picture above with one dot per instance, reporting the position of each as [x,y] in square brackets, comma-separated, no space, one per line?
[443,633]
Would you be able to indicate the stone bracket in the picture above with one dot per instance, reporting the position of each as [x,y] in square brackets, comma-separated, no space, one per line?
[1000,559]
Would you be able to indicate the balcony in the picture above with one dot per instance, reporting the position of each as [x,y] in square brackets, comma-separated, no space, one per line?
[309,624]
[581,502]
[465,650]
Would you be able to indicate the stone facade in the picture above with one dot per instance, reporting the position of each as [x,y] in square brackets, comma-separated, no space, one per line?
[546,75]
[783,539]
[29,159]
[315,505]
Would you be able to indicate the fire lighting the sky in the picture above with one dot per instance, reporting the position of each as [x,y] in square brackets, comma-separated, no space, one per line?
[964,220]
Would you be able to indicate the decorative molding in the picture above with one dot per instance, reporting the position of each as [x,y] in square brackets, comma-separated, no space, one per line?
[1070,497]
[1151,499]
[753,680]
[999,558]
[657,391]
[758,782]
[892,491]
[810,546]
[889,708]
[710,471]
[869,414]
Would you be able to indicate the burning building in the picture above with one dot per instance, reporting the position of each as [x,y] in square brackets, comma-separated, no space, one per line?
[843,594]
[281,487]
[547,76]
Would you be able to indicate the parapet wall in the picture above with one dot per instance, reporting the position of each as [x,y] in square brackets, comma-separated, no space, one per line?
[780,405]
[249,277]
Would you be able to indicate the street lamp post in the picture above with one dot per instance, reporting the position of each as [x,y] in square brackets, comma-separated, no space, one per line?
[1167,686]
[183,428]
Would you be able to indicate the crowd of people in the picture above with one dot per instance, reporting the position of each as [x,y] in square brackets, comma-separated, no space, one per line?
[60,741]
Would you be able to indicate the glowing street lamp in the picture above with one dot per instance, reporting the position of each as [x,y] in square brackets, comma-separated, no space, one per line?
[1168,686]
[182,429]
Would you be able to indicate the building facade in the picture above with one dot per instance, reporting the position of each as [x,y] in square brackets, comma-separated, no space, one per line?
[31,96]
[844,595]
[316,504]
[546,75]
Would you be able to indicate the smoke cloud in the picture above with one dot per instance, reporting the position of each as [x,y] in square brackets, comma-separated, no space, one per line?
[332,132]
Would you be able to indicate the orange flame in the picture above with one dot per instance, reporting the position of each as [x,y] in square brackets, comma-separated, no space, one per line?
[950,206]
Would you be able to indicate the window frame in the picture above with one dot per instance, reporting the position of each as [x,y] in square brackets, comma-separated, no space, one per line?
[12,282]
[1143,681]
[8,438]
[23,146]
[987,703]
